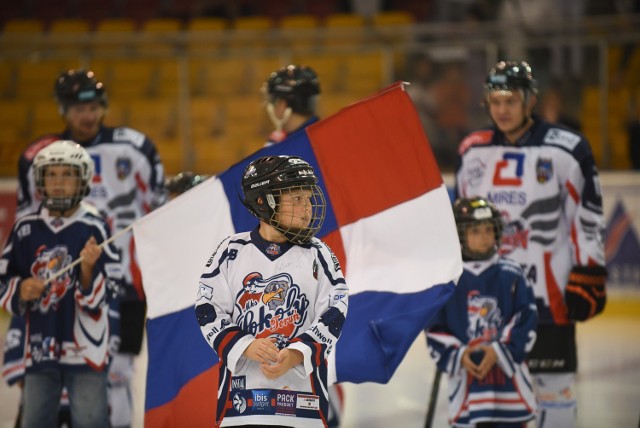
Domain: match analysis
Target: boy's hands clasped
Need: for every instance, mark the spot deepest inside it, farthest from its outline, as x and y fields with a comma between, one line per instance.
x=273, y=362
x=489, y=358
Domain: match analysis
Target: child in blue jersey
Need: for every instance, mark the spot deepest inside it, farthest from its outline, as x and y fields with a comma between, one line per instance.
x=65, y=310
x=481, y=337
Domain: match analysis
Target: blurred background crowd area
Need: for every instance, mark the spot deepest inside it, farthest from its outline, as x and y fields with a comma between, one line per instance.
x=189, y=72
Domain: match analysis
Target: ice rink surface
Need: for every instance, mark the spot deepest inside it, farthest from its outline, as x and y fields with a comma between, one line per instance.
x=608, y=385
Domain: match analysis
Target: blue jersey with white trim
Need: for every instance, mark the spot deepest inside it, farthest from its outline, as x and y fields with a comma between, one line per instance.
x=128, y=182
x=547, y=189
x=67, y=327
x=252, y=288
x=492, y=304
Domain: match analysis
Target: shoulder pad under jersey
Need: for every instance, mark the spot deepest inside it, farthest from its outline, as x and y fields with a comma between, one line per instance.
x=38, y=145
x=482, y=137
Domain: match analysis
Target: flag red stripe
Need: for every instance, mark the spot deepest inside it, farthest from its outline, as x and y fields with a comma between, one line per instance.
x=360, y=182
x=187, y=409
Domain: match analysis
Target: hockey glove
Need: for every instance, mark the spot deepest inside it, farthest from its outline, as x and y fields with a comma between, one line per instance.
x=586, y=294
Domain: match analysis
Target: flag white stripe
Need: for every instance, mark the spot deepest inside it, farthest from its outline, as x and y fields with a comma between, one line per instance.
x=387, y=250
x=190, y=229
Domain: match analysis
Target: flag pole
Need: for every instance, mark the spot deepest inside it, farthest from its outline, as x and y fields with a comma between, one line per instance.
x=433, y=399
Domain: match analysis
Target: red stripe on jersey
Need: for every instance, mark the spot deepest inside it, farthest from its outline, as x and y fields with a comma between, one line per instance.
x=574, y=239
x=225, y=342
x=140, y=182
x=136, y=275
x=572, y=191
x=556, y=300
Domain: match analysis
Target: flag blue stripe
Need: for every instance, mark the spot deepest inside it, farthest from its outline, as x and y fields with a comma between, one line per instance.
x=381, y=327
x=177, y=354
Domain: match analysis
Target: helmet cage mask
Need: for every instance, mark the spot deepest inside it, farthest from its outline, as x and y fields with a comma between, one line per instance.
x=474, y=212
x=280, y=199
x=270, y=183
x=63, y=153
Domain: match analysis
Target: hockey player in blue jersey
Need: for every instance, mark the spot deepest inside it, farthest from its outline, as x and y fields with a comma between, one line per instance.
x=65, y=311
x=128, y=183
x=481, y=337
x=272, y=302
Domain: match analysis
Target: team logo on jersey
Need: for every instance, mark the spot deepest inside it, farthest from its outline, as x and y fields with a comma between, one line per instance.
x=474, y=171
x=484, y=317
x=272, y=307
x=509, y=170
x=123, y=168
x=273, y=249
x=49, y=263
x=544, y=170
x=239, y=403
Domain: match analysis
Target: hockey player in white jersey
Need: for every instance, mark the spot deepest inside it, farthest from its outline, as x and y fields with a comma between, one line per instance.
x=64, y=310
x=291, y=99
x=543, y=179
x=127, y=184
x=481, y=337
x=272, y=302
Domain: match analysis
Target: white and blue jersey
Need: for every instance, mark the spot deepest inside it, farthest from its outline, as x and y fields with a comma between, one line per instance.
x=492, y=304
x=546, y=188
x=297, y=294
x=67, y=327
x=128, y=182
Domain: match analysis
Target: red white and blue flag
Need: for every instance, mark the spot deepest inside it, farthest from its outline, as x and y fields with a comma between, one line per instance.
x=389, y=222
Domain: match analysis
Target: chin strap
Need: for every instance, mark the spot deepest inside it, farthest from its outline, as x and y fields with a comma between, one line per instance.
x=278, y=134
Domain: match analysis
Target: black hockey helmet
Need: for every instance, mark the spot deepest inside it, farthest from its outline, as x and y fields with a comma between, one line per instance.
x=266, y=180
x=79, y=86
x=510, y=76
x=472, y=212
x=298, y=85
x=183, y=181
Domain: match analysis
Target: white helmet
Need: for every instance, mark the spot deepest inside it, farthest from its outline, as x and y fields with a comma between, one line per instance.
x=63, y=152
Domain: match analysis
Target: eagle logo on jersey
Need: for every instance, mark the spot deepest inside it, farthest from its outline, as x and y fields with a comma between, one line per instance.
x=272, y=306
x=484, y=317
x=47, y=264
